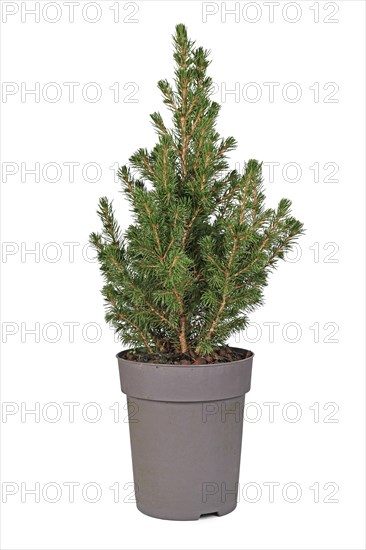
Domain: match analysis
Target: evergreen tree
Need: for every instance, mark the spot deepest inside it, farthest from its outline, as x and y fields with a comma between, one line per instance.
x=193, y=265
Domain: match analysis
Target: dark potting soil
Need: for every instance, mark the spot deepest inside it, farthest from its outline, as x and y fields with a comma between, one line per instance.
x=224, y=354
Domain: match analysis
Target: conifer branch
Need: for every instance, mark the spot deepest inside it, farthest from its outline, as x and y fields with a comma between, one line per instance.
x=194, y=263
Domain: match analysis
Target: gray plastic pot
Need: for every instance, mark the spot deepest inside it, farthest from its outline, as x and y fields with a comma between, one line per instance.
x=186, y=429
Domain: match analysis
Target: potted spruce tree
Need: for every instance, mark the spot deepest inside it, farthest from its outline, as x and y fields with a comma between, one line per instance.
x=178, y=283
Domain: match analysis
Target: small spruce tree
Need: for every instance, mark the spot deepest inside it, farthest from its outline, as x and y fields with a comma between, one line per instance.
x=186, y=274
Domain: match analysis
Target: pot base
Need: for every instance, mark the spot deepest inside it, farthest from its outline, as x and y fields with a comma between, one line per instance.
x=185, y=516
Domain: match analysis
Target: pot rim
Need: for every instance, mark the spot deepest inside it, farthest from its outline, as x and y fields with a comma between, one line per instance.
x=189, y=383
x=203, y=365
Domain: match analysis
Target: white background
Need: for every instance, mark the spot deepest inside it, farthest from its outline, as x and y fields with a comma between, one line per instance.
x=320, y=369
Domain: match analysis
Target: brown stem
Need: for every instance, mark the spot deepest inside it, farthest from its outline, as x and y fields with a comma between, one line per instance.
x=182, y=334
x=196, y=212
